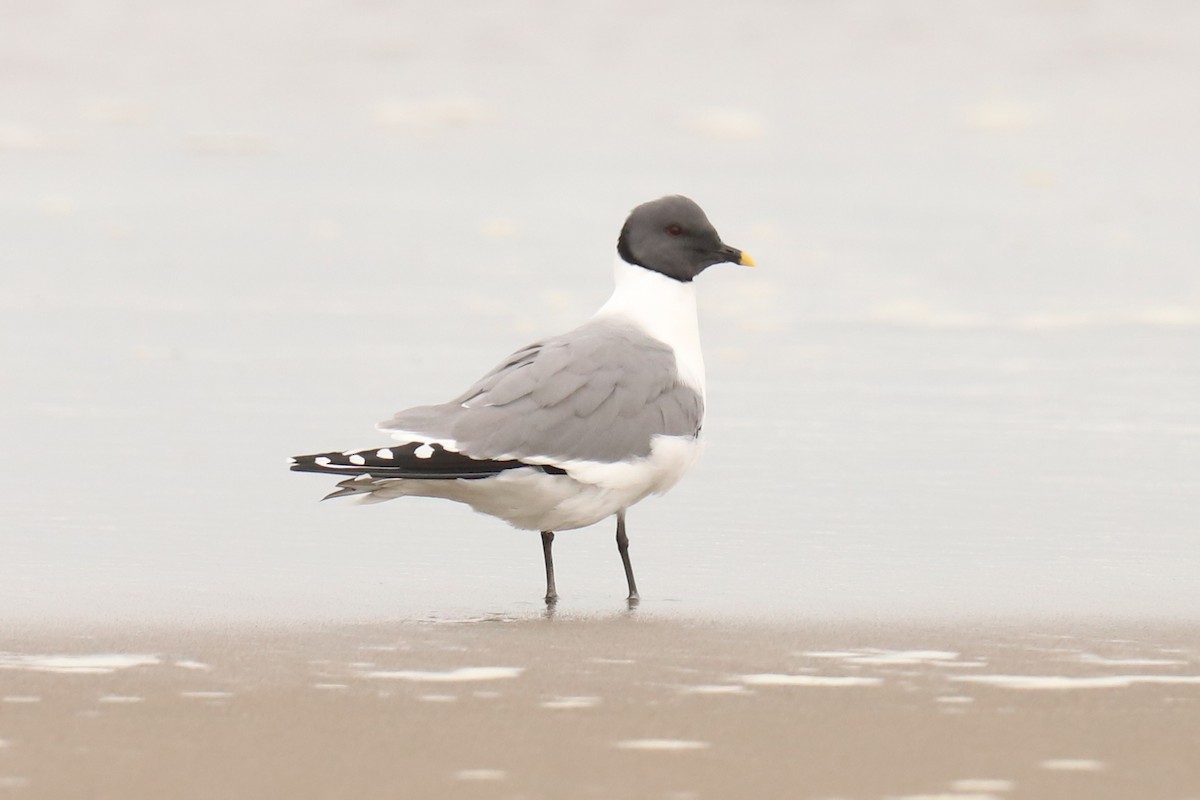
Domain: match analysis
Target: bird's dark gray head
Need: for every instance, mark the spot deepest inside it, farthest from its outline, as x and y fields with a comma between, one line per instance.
x=672, y=236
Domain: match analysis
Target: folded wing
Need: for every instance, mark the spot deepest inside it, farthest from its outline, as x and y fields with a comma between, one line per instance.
x=601, y=392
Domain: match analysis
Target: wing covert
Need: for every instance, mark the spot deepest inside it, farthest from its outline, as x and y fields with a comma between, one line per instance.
x=598, y=393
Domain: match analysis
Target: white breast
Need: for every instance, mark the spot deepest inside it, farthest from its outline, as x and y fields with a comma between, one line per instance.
x=666, y=310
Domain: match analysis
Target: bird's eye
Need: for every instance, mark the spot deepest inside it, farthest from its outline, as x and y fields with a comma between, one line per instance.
x=674, y=230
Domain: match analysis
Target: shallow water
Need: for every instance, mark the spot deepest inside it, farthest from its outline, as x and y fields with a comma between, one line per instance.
x=964, y=380
x=902, y=473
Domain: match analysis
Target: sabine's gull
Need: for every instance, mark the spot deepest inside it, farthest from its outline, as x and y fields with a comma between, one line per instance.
x=576, y=427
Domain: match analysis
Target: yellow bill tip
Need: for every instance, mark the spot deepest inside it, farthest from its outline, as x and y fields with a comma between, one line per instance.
x=747, y=260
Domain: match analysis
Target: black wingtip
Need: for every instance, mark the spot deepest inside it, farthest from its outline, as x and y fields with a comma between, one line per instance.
x=328, y=463
x=414, y=460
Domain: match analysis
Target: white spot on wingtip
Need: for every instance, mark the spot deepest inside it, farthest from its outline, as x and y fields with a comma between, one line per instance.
x=424, y=451
x=412, y=437
x=357, y=459
x=322, y=461
x=384, y=453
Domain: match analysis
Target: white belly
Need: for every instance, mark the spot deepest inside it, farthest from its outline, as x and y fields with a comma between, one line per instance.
x=532, y=499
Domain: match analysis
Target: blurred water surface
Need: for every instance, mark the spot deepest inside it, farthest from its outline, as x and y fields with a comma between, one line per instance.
x=965, y=379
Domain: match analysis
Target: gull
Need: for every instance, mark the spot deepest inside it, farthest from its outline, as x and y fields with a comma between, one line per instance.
x=578, y=427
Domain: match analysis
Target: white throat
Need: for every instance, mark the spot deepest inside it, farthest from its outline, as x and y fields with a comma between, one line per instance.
x=666, y=310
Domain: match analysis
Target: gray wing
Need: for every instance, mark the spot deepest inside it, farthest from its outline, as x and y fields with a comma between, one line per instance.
x=598, y=393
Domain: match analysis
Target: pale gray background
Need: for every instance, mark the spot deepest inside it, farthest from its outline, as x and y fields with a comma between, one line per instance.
x=965, y=379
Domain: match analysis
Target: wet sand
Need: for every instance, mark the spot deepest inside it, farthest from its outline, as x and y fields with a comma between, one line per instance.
x=620, y=707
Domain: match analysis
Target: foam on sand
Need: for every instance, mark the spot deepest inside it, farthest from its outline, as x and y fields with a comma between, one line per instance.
x=99, y=664
x=946, y=796
x=675, y=745
x=461, y=675
x=569, y=703
x=1091, y=658
x=715, y=688
x=983, y=785
x=1073, y=764
x=774, y=679
x=1076, y=682
x=882, y=657
x=480, y=775
x=438, y=698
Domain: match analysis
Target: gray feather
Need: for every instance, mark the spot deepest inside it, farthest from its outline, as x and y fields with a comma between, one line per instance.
x=599, y=393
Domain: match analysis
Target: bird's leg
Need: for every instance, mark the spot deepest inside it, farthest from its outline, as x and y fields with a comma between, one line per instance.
x=623, y=549
x=547, y=543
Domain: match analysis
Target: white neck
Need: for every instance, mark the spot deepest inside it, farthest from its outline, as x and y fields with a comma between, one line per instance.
x=665, y=309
